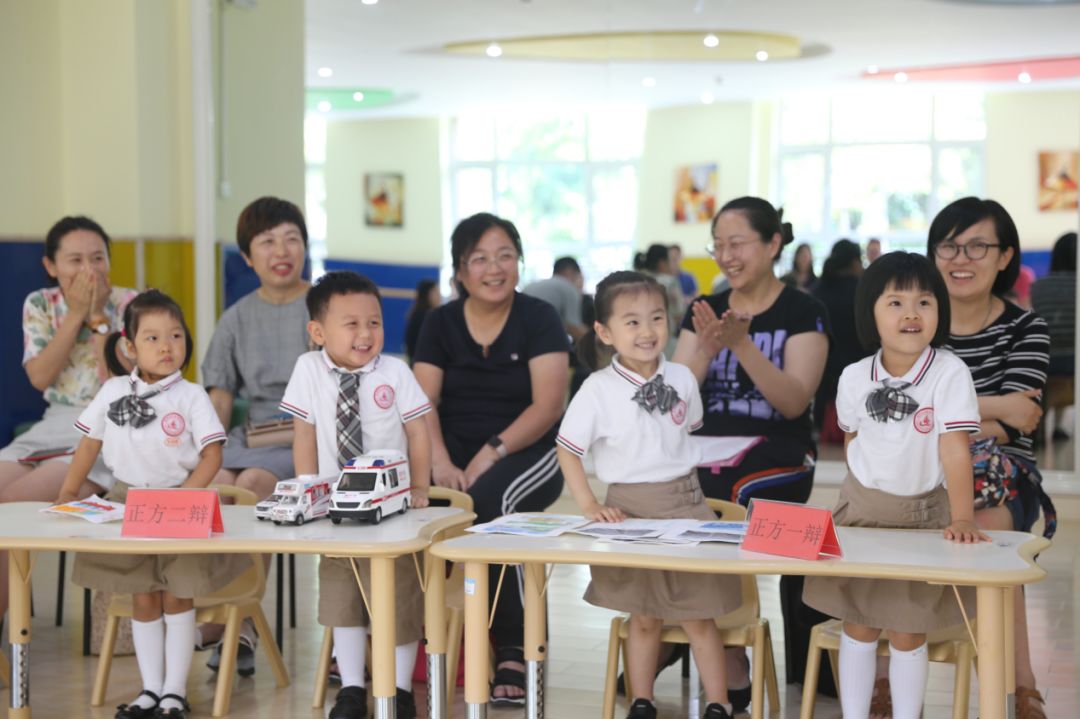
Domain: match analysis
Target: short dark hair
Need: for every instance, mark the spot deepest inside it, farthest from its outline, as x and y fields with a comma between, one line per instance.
x=622, y=282
x=654, y=255
x=264, y=214
x=338, y=282
x=144, y=303
x=902, y=271
x=468, y=233
x=66, y=225
x=1063, y=257
x=961, y=214
x=765, y=219
x=565, y=264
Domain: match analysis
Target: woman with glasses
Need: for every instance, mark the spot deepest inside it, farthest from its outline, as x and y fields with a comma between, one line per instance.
x=495, y=364
x=758, y=351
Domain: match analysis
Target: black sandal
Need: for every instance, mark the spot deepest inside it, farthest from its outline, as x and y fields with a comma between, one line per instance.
x=180, y=712
x=507, y=677
x=134, y=711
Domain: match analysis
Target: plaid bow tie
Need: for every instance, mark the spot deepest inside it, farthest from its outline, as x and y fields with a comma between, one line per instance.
x=133, y=408
x=889, y=402
x=654, y=394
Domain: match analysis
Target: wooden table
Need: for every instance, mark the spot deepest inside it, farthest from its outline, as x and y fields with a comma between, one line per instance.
x=24, y=530
x=994, y=568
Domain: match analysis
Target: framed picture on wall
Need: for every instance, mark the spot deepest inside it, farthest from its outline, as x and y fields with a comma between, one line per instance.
x=384, y=199
x=1059, y=173
x=695, y=193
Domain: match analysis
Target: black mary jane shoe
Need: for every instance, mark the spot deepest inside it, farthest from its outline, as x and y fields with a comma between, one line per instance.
x=179, y=712
x=134, y=711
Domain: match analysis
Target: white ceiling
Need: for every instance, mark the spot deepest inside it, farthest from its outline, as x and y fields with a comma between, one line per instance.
x=396, y=44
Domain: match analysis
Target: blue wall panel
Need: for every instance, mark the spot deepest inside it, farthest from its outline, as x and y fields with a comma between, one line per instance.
x=20, y=274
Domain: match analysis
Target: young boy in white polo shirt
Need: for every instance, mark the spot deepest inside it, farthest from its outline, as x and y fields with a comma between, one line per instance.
x=348, y=398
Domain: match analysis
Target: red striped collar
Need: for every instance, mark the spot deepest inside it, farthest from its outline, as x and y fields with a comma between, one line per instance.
x=331, y=367
x=915, y=375
x=161, y=385
x=633, y=377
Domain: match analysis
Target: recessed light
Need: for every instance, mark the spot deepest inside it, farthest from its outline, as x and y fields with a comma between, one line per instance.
x=493, y=50
x=707, y=98
x=1024, y=77
x=648, y=82
x=872, y=70
x=326, y=72
x=358, y=96
x=711, y=40
x=369, y=2
x=900, y=77
x=761, y=55
x=324, y=106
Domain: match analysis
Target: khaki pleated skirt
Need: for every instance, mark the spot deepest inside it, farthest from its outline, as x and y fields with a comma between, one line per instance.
x=914, y=607
x=672, y=596
x=342, y=605
x=185, y=576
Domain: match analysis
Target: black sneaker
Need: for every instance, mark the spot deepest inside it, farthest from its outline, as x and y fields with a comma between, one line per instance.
x=406, y=704
x=351, y=703
x=642, y=709
x=245, y=657
x=716, y=711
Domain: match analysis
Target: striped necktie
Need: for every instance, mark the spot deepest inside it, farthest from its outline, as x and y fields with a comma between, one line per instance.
x=350, y=438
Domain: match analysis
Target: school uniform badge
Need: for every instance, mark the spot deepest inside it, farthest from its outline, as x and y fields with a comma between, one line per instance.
x=678, y=412
x=924, y=420
x=173, y=424
x=384, y=396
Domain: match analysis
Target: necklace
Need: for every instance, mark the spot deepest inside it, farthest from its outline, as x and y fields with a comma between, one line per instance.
x=986, y=320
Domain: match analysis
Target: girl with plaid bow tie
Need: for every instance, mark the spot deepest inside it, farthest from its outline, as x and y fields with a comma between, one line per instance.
x=153, y=429
x=634, y=417
x=907, y=412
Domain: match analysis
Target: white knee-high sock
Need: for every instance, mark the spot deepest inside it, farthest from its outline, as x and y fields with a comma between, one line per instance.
x=350, y=647
x=179, y=649
x=907, y=681
x=404, y=662
x=857, y=667
x=149, y=640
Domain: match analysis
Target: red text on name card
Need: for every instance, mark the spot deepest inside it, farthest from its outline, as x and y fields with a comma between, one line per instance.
x=790, y=530
x=172, y=513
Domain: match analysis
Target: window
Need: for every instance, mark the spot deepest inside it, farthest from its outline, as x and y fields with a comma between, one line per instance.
x=876, y=164
x=569, y=183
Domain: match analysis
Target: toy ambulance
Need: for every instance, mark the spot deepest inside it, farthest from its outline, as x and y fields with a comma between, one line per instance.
x=301, y=499
x=372, y=486
x=263, y=508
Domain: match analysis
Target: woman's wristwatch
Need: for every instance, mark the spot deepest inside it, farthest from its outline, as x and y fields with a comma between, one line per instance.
x=497, y=444
x=99, y=324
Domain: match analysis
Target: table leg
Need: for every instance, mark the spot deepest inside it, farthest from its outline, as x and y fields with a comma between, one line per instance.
x=991, y=631
x=19, y=632
x=383, y=622
x=535, y=640
x=435, y=645
x=1009, y=612
x=477, y=645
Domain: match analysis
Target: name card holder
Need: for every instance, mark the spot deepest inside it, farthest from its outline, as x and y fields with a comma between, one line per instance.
x=790, y=530
x=172, y=514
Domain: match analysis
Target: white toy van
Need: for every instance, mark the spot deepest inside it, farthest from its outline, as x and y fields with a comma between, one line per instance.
x=263, y=508
x=301, y=499
x=372, y=486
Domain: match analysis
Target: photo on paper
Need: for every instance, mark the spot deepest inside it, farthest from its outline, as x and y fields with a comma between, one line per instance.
x=695, y=193
x=384, y=194
x=1059, y=176
x=531, y=525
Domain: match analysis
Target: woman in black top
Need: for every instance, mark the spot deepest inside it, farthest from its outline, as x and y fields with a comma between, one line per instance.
x=495, y=364
x=758, y=350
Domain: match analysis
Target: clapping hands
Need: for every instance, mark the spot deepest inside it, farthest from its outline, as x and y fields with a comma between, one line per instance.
x=718, y=333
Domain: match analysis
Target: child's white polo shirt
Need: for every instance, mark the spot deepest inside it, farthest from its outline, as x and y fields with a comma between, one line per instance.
x=629, y=444
x=163, y=452
x=389, y=397
x=901, y=457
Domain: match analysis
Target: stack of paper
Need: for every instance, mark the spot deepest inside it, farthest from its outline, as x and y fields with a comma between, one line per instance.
x=666, y=531
x=93, y=510
x=531, y=525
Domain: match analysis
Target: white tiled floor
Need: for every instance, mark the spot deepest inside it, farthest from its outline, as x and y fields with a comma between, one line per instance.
x=62, y=677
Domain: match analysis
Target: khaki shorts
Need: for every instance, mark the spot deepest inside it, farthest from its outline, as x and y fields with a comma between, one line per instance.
x=341, y=605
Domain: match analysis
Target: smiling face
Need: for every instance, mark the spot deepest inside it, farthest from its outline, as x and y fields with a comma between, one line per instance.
x=907, y=320
x=741, y=252
x=965, y=278
x=277, y=256
x=78, y=250
x=489, y=271
x=160, y=345
x=637, y=329
x=351, y=329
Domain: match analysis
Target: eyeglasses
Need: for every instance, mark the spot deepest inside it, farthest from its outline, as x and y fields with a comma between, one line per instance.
x=717, y=249
x=478, y=262
x=973, y=250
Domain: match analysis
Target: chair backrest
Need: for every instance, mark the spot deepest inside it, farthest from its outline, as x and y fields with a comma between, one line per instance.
x=252, y=582
x=458, y=500
x=732, y=512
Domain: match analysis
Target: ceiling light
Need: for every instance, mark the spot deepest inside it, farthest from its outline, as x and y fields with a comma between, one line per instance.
x=871, y=69
x=369, y=2
x=648, y=82
x=711, y=40
x=900, y=77
x=761, y=55
x=326, y=72
x=1024, y=77
x=358, y=96
x=707, y=98
x=493, y=50
x=324, y=106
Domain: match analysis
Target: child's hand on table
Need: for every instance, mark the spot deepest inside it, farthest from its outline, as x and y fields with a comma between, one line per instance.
x=420, y=498
x=601, y=513
x=65, y=497
x=965, y=532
